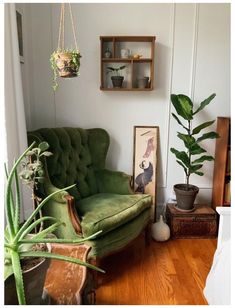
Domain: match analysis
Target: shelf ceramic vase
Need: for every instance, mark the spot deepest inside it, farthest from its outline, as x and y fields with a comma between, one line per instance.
x=160, y=230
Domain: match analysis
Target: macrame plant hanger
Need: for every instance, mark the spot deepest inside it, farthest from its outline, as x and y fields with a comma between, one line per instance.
x=65, y=62
x=61, y=37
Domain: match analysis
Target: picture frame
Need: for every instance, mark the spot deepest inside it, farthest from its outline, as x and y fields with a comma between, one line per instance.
x=20, y=35
x=145, y=162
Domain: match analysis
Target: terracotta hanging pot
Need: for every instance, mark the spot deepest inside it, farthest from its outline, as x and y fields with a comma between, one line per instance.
x=67, y=64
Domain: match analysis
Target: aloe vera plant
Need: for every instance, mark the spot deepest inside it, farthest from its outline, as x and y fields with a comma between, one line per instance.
x=185, y=109
x=18, y=244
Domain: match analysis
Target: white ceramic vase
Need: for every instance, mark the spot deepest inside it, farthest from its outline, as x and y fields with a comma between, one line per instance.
x=160, y=230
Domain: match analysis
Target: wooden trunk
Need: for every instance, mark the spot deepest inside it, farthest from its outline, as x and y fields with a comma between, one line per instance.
x=201, y=223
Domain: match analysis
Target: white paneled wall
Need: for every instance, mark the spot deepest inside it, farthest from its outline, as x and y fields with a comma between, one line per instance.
x=192, y=57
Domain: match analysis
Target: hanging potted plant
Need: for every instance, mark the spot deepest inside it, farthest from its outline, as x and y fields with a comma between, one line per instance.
x=186, y=193
x=26, y=254
x=65, y=62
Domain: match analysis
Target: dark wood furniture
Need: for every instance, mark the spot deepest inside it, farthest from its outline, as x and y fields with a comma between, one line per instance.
x=201, y=223
x=222, y=175
x=67, y=283
x=143, y=66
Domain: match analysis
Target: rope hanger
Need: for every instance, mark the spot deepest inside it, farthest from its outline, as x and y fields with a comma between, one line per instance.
x=61, y=28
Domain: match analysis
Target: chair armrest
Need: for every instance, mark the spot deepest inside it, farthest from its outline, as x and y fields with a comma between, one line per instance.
x=62, y=207
x=113, y=182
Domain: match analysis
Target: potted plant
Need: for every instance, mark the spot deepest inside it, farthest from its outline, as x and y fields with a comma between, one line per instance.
x=65, y=63
x=186, y=193
x=117, y=79
x=23, y=247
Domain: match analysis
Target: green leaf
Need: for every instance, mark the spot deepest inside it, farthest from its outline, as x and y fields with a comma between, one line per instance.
x=183, y=106
x=194, y=168
x=47, y=153
x=34, y=213
x=196, y=149
x=205, y=103
x=60, y=257
x=18, y=277
x=182, y=165
x=202, y=159
x=197, y=129
x=199, y=173
x=8, y=209
x=188, y=140
x=210, y=135
x=43, y=146
x=179, y=122
x=182, y=156
x=8, y=270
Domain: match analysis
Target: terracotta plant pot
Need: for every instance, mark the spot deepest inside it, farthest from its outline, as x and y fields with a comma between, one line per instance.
x=185, y=198
x=117, y=81
x=33, y=284
x=66, y=67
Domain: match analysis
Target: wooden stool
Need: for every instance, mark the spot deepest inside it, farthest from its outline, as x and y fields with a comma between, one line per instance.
x=201, y=223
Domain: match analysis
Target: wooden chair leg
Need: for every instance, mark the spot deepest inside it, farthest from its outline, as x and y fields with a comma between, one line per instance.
x=97, y=279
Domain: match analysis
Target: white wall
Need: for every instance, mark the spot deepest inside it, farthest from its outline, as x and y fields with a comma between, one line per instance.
x=192, y=57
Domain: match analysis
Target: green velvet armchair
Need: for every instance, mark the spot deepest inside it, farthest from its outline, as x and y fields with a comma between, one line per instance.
x=101, y=200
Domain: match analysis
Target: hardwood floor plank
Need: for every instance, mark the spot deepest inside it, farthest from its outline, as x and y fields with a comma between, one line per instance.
x=169, y=273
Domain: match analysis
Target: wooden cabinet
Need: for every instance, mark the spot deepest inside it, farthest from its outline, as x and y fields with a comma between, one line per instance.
x=222, y=175
x=119, y=51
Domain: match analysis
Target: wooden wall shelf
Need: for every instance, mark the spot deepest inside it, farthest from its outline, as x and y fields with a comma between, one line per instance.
x=135, y=68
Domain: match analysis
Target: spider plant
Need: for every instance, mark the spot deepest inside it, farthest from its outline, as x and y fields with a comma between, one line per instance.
x=18, y=242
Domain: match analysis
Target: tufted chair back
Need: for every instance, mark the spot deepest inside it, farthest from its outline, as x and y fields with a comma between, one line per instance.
x=77, y=154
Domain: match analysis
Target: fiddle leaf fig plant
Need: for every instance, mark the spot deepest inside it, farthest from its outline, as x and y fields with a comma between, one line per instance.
x=185, y=115
x=19, y=243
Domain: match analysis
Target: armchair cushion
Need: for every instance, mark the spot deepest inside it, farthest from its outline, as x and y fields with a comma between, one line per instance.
x=107, y=211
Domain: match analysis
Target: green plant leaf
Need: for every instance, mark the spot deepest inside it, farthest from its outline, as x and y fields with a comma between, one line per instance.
x=18, y=277
x=183, y=106
x=197, y=129
x=34, y=213
x=205, y=103
x=196, y=149
x=43, y=146
x=17, y=203
x=59, y=257
x=8, y=209
x=47, y=153
x=210, y=135
x=8, y=270
x=187, y=139
x=202, y=159
x=35, y=223
x=194, y=168
x=199, y=173
x=182, y=165
x=60, y=240
x=179, y=122
x=182, y=156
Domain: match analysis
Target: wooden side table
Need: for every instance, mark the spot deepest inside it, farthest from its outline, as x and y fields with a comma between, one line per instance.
x=65, y=282
x=201, y=223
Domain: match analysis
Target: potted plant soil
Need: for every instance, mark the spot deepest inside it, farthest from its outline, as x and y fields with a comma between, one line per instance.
x=186, y=193
x=65, y=63
x=26, y=252
x=117, y=79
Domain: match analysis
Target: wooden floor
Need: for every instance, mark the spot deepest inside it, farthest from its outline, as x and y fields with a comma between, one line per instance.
x=170, y=273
